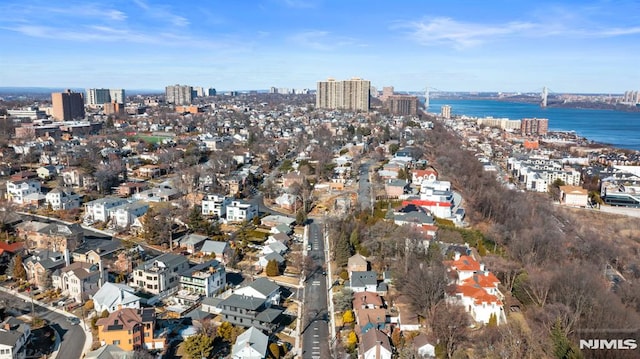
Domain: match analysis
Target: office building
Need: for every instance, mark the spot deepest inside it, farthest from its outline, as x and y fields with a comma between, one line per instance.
x=402, y=105
x=211, y=91
x=351, y=94
x=97, y=97
x=445, y=111
x=179, y=94
x=67, y=105
x=534, y=126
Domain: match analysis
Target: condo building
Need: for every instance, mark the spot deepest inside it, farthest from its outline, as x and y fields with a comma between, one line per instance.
x=351, y=94
x=67, y=105
x=179, y=94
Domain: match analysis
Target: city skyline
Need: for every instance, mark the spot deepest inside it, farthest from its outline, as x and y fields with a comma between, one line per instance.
x=568, y=46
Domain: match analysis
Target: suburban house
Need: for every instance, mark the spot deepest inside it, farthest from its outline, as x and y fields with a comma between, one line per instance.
x=418, y=177
x=205, y=279
x=476, y=289
x=57, y=237
x=41, y=265
x=131, y=329
x=220, y=250
x=157, y=194
x=61, y=199
x=100, y=209
x=130, y=188
x=370, y=318
x=357, y=263
x=18, y=190
x=215, y=205
x=95, y=250
x=192, y=242
x=14, y=334
x=424, y=346
x=262, y=288
x=128, y=214
x=77, y=177
x=110, y=351
x=114, y=296
x=251, y=344
x=240, y=211
x=367, y=300
x=247, y=311
x=288, y=201
x=47, y=172
x=274, y=220
x=160, y=274
x=290, y=178
x=366, y=281
x=396, y=188
x=78, y=280
x=374, y=344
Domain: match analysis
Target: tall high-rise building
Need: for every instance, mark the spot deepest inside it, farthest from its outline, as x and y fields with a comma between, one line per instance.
x=534, y=126
x=67, y=105
x=402, y=105
x=211, y=91
x=351, y=94
x=179, y=95
x=445, y=111
x=95, y=97
x=386, y=92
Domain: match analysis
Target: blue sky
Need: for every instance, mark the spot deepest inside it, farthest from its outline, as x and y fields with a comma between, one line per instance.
x=504, y=45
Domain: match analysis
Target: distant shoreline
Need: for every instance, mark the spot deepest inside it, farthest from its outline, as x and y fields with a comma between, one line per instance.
x=552, y=103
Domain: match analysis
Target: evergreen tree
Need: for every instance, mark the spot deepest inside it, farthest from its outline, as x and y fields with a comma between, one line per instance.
x=562, y=347
x=342, y=251
x=18, y=269
x=272, y=269
x=198, y=346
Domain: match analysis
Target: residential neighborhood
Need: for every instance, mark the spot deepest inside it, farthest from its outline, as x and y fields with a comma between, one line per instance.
x=210, y=233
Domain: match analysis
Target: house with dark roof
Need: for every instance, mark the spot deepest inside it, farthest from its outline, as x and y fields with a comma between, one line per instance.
x=192, y=241
x=262, y=288
x=14, y=334
x=54, y=236
x=363, y=281
x=41, y=265
x=160, y=274
x=247, y=311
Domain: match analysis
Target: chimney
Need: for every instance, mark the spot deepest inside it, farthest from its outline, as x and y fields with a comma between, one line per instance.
x=456, y=256
x=481, y=267
x=7, y=326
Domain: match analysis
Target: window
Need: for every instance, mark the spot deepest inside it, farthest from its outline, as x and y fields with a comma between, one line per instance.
x=129, y=341
x=146, y=334
x=116, y=342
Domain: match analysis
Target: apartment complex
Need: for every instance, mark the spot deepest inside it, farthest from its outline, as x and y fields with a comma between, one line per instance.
x=179, y=94
x=445, y=111
x=67, y=105
x=402, y=105
x=351, y=94
x=534, y=126
x=95, y=97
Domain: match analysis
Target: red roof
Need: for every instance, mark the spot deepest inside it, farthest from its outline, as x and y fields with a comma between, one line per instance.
x=478, y=294
x=11, y=247
x=424, y=203
x=465, y=263
x=483, y=279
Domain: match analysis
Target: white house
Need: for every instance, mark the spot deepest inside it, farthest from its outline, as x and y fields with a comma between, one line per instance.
x=113, y=296
x=574, y=196
x=375, y=345
x=100, y=209
x=215, y=205
x=14, y=334
x=206, y=279
x=78, y=280
x=160, y=274
x=252, y=344
x=128, y=214
x=61, y=199
x=18, y=190
x=240, y=211
x=262, y=288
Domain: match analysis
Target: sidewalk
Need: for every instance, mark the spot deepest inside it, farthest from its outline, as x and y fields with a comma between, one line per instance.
x=87, y=330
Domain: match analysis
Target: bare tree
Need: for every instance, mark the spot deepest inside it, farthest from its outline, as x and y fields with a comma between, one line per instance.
x=450, y=324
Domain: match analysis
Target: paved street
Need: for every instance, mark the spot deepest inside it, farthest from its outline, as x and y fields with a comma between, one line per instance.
x=315, y=326
x=72, y=336
x=364, y=187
